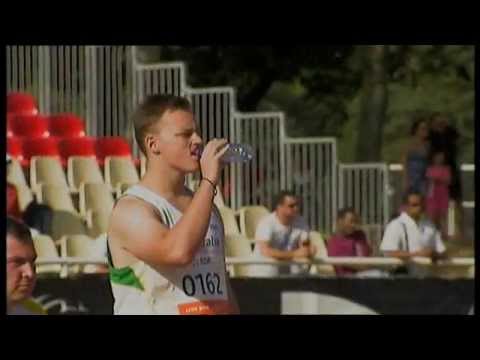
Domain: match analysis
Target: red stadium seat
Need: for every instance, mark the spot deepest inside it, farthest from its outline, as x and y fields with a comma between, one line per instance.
x=40, y=147
x=81, y=146
x=9, y=125
x=66, y=125
x=111, y=146
x=29, y=126
x=21, y=104
x=14, y=148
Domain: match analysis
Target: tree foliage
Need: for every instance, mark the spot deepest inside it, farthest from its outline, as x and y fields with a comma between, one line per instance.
x=323, y=89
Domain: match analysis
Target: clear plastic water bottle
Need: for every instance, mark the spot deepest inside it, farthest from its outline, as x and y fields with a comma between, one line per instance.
x=237, y=153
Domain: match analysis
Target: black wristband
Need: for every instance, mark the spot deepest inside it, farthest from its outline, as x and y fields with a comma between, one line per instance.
x=213, y=185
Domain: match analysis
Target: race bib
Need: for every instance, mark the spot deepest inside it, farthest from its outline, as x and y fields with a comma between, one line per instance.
x=204, y=284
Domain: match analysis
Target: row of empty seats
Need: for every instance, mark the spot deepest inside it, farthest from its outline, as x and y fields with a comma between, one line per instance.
x=21, y=104
x=32, y=134
x=55, y=163
x=47, y=177
x=83, y=192
x=42, y=126
x=64, y=148
x=77, y=246
x=49, y=171
x=25, y=120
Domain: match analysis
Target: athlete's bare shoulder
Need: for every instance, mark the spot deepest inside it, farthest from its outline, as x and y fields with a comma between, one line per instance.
x=129, y=215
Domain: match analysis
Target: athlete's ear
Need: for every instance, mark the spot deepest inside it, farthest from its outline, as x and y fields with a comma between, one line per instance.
x=151, y=144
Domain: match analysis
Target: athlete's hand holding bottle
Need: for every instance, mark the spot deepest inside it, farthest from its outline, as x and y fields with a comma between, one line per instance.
x=210, y=162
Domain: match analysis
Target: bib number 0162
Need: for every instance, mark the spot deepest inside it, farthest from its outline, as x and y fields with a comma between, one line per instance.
x=208, y=283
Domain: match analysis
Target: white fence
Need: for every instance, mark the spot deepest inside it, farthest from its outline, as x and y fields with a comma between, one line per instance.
x=463, y=267
x=310, y=171
x=105, y=83
x=213, y=109
x=27, y=71
x=91, y=81
x=365, y=188
x=258, y=181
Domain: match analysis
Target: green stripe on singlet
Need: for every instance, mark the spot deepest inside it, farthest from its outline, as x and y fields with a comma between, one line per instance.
x=167, y=217
x=171, y=217
x=109, y=256
x=125, y=276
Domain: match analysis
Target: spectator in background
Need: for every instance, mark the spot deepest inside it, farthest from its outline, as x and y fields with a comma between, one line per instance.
x=283, y=235
x=13, y=208
x=21, y=276
x=38, y=217
x=410, y=234
x=444, y=137
x=415, y=158
x=348, y=240
x=439, y=178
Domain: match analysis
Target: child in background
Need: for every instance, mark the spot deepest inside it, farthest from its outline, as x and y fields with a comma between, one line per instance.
x=439, y=178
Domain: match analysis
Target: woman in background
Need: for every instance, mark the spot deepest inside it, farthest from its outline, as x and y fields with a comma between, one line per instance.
x=439, y=177
x=415, y=158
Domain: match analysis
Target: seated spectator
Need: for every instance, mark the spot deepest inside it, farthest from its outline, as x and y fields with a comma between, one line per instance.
x=13, y=208
x=348, y=240
x=283, y=234
x=38, y=217
x=411, y=234
x=21, y=274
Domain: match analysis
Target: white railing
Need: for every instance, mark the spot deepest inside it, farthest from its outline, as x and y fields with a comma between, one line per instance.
x=364, y=187
x=213, y=109
x=354, y=262
x=258, y=181
x=91, y=81
x=65, y=263
x=27, y=70
x=71, y=261
x=311, y=172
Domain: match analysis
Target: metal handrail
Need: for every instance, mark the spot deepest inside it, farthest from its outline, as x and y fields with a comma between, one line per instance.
x=325, y=260
x=463, y=167
x=373, y=261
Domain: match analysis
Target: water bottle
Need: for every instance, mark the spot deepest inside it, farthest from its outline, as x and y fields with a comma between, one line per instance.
x=237, y=153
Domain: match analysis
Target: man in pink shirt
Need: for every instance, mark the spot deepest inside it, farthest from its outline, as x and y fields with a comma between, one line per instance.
x=348, y=241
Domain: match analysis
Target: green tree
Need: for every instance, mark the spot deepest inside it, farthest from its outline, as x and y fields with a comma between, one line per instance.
x=342, y=91
x=421, y=79
x=373, y=103
x=252, y=70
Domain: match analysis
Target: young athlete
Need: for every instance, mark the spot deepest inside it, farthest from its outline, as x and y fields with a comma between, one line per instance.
x=166, y=244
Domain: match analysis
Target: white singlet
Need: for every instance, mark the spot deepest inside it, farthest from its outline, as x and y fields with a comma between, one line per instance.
x=199, y=288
